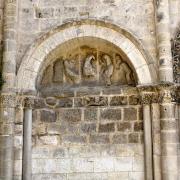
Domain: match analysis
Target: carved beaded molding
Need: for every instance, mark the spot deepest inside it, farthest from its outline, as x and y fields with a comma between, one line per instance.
x=176, y=57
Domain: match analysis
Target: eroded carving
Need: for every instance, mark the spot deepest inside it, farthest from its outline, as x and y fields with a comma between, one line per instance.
x=122, y=74
x=107, y=69
x=71, y=71
x=89, y=67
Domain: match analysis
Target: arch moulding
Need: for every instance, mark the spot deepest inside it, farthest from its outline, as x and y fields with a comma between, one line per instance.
x=35, y=56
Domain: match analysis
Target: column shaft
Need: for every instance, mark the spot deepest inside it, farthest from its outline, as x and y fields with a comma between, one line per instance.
x=147, y=142
x=156, y=138
x=164, y=41
x=27, y=144
x=169, y=142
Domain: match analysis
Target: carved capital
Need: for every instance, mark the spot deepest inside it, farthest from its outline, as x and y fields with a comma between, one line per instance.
x=146, y=98
x=168, y=93
x=8, y=100
x=28, y=102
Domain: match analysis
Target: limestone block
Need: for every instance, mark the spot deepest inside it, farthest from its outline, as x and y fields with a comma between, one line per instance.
x=88, y=128
x=123, y=164
x=49, y=140
x=87, y=176
x=106, y=128
x=103, y=164
x=63, y=165
x=118, y=175
x=18, y=141
x=48, y=116
x=43, y=166
x=120, y=139
x=110, y=114
x=130, y=114
x=138, y=163
x=167, y=111
x=54, y=129
x=124, y=126
x=136, y=176
x=40, y=152
x=133, y=138
x=17, y=167
x=82, y=165
x=138, y=126
x=99, y=139
x=90, y=114
x=74, y=139
x=70, y=115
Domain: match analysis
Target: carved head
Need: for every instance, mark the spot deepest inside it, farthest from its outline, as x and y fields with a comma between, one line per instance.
x=106, y=59
x=118, y=59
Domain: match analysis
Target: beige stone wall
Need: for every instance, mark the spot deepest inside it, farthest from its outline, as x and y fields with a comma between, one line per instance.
x=37, y=17
x=75, y=140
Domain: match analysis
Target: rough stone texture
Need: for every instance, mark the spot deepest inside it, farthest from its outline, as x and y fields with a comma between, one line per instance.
x=93, y=132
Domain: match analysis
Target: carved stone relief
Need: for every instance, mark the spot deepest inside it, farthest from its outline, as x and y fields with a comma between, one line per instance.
x=89, y=67
x=176, y=58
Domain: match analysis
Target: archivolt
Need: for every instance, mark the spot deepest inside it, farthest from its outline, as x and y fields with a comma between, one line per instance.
x=32, y=61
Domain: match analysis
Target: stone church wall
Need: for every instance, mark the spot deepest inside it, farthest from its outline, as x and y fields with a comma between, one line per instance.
x=37, y=17
x=75, y=140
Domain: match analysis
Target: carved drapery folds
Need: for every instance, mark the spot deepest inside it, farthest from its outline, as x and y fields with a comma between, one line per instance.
x=88, y=68
x=176, y=57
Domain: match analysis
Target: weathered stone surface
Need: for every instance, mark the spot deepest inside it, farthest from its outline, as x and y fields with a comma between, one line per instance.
x=65, y=102
x=90, y=114
x=124, y=126
x=51, y=101
x=99, y=139
x=167, y=111
x=134, y=100
x=49, y=140
x=138, y=126
x=118, y=101
x=39, y=103
x=106, y=128
x=74, y=139
x=120, y=139
x=48, y=116
x=130, y=114
x=133, y=138
x=110, y=114
x=88, y=128
x=70, y=115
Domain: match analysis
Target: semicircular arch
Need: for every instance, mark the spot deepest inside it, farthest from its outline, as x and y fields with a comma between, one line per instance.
x=33, y=59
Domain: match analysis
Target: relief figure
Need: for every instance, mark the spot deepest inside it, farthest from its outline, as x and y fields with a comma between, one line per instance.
x=71, y=71
x=107, y=68
x=89, y=66
x=122, y=73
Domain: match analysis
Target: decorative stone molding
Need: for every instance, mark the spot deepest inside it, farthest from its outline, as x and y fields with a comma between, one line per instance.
x=176, y=57
x=28, y=102
x=8, y=100
x=168, y=93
